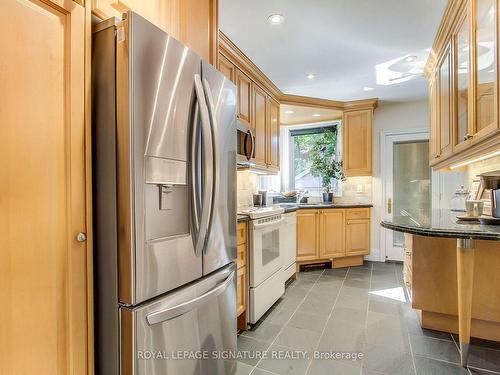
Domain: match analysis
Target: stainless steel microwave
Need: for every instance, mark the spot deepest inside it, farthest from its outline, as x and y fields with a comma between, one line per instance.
x=245, y=146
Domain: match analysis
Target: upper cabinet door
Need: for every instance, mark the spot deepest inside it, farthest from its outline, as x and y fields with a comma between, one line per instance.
x=445, y=102
x=434, y=146
x=485, y=67
x=462, y=126
x=273, y=136
x=358, y=143
x=260, y=120
x=227, y=68
x=244, y=88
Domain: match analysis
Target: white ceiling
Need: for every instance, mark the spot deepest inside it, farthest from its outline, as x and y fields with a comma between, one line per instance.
x=341, y=41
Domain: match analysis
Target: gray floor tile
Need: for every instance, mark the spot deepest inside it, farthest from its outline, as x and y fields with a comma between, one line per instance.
x=415, y=329
x=388, y=362
x=484, y=358
x=313, y=322
x=342, y=342
x=335, y=272
x=396, y=340
x=298, y=338
x=279, y=316
x=294, y=292
x=382, y=321
x=353, y=302
x=346, y=313
x=477, y=371
x=259, y=371
x=316, y=306
x=281, y=366
x=290, y=303
x=355, y=283
x=343, y=328
x=265, y=332
x=427, y=366
x=250, y=347
x=243, y=369
x=435, y=348
x=329, y=367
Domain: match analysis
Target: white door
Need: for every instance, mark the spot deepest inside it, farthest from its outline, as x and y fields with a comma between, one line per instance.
x=406, y=184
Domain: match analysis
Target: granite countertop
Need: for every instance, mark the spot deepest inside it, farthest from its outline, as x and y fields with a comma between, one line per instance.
x=325, y=205
x=442, y=223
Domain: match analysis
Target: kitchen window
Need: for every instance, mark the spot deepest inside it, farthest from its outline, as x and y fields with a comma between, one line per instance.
x=299, y=144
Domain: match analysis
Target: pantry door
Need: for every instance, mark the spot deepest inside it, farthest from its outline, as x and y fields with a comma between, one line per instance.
x=406, y=185
x=43, y=284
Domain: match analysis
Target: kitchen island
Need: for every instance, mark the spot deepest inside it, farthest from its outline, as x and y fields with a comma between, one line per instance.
x=454, y=268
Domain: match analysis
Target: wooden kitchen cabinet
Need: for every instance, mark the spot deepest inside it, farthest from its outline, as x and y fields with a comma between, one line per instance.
x=357, y=238
x=307, y=234
x=241, y=281
x=358, y=142
x=332, y=232
x=227, y=68
x=260, y=122
x=193, y=22
x=273, y=135
x=341, y=235
x=244, y=100
x=44, y=324
x=463, y=84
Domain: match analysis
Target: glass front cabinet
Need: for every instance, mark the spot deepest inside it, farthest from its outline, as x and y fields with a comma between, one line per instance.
x=463, y=83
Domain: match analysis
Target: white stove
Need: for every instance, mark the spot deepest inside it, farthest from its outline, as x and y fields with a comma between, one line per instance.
x=260, y=212
x=265, y=282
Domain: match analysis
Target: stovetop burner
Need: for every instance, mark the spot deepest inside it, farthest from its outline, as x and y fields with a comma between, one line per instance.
x=259, y=212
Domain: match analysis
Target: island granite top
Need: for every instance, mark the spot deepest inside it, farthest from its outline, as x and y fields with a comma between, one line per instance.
x=442, y=223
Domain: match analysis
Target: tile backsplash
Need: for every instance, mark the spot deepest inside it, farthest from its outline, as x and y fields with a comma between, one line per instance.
x=247, y=185
x=483, y=166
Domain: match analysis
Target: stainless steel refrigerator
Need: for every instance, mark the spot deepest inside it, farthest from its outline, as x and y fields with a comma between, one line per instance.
x=164, y=175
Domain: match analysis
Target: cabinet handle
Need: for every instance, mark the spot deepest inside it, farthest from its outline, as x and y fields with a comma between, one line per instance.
x=467, y=137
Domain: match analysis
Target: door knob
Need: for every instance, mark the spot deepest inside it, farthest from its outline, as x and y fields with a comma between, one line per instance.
x=81, y=237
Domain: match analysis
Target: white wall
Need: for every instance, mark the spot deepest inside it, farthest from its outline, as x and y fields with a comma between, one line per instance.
x=404, y=116
x=387, y=117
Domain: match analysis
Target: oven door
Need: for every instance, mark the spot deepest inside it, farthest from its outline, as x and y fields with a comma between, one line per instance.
x=265, y=252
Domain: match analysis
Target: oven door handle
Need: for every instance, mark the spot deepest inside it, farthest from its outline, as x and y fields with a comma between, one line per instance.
x=268, y=225
x=176, y=311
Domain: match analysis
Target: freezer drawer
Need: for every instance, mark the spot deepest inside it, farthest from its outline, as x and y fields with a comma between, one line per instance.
x=164, y=336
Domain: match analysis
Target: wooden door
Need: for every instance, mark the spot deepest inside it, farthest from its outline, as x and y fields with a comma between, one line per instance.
x=273, y=135
x=227, y=68
x=193, y=22
x=358, y=143
x=43, y=285
x=434, y=146
x=307, y=234
x=241, y=286
x=445, y=104
x=332, y=229
x=244, y=90
x=260, y=120
x=357, y=240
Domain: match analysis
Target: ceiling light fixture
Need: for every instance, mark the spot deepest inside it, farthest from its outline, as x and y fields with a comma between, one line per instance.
x=410, y=58
x=275, y=19
x=366, y=88
x=311, y=76
x=289, y=112
x=316, y=115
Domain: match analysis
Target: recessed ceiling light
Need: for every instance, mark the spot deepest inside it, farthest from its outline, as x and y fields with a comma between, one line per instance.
x=316, y=115
x=311, y=76
x=366, y=88
x=289, y=112
x=275, y=19
x=410, y=58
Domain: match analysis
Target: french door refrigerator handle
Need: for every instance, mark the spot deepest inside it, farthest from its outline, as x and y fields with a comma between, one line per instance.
x=194, y=174
x=176, y=311
x=208, y=164
x=213, y=126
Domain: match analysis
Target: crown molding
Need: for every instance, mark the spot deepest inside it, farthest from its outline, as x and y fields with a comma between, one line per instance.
x=234, y=54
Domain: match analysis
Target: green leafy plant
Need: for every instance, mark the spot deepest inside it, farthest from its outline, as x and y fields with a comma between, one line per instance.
x=323, y=163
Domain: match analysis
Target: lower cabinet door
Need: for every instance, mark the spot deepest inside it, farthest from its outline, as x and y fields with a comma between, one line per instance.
x=241, y=284
x=332, y=231
x=307, y=235
x=357, y=237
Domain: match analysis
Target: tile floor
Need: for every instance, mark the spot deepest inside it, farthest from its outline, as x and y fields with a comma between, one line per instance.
x=340, y=311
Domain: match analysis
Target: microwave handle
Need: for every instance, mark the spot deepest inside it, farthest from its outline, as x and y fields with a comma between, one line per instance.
x=174, y=312
x=252, y=138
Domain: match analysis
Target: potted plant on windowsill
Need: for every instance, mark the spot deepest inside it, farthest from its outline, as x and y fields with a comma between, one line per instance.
x=325, y=166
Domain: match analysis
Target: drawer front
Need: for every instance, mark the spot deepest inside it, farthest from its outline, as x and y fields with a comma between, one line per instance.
x=241, y=234
x=357, y=213
x=241, y=258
